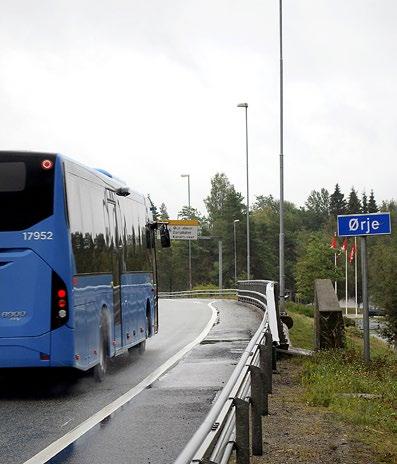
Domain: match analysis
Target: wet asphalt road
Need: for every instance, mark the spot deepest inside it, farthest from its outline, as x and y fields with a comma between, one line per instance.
x=37, y=408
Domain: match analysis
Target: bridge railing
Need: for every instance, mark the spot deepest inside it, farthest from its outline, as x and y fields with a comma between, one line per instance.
x=198, y=293
x=235, y=419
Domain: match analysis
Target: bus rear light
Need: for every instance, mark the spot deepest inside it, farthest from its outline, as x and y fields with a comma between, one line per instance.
x=61, y=293
x=44, y=357
x=47, y=164
x=60, y=313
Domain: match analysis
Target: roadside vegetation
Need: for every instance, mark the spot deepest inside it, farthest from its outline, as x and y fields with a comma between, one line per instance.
x=338, y=381
x=308, y=255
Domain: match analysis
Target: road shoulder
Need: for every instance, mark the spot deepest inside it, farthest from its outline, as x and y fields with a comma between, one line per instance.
x=298, y=433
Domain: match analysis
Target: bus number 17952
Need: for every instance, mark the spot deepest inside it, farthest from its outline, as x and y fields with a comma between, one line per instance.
x=44, y=235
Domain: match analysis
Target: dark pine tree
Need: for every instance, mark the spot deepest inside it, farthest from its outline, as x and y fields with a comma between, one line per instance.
x=364, y=203
x=163, y=213
x=353, y=204
x=372, y=206
x=337, y=204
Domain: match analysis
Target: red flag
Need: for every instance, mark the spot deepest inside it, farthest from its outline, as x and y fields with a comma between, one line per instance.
x=344, y=245
x=334, y=244
x=352, y=253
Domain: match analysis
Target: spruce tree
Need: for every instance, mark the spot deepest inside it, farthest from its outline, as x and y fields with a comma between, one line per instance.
x=337, y=204
x=372, y=206
x=354, y=204
x=163, y=213
x=364, y=203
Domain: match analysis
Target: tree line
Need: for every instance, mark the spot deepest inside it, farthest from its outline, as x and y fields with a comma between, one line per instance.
x=308, y=254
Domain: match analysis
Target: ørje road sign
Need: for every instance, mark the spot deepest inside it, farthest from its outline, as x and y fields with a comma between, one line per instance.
x=355, y=225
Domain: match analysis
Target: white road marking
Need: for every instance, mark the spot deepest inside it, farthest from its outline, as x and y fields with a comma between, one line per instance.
x=66, y=423
x=58, y=445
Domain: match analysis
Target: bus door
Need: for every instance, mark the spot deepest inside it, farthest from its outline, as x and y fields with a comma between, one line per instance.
x=116, y=267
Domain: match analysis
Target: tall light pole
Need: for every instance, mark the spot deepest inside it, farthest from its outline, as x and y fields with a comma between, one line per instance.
x=245, y=105
x=190, y=243
x=235, y=249
x=281, y=255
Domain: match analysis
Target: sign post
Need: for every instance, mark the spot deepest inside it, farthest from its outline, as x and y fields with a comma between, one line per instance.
x=363, y=225
x=364, y=274
x=184, y=229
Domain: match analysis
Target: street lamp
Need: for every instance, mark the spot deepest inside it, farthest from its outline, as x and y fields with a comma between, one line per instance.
x=245, y=105
x=190, y=243
x=282, y=235
x=235, y=249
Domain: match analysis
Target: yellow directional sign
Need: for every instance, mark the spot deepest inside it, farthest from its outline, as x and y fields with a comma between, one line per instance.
x=183, y=229
x=183, y=222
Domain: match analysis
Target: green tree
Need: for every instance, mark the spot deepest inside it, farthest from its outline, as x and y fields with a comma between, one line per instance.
x=163, y=215
x=383, y=272
x=372, y=206
x=317, y=209
x=364, y=203
x=265, y=220
x=224, y=205
x=316, y=261
x=337, y=203
x=353, y=204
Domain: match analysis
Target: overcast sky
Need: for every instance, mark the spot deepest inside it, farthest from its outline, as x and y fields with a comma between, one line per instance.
x=148, y=89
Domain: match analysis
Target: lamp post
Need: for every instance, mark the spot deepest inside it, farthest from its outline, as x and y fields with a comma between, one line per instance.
x=281, y=238
x=245, y=105
x=190, y=243
x=235, y=249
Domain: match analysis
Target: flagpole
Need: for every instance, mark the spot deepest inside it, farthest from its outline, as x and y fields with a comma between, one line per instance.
x=355, y=274
x=336, y=282
x=346, y=280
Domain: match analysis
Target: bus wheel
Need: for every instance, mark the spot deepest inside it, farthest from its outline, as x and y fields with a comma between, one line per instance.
x=142, y=347
x=101, y=368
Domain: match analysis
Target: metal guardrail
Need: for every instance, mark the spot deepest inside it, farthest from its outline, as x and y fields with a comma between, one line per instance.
x=195, y=293
x=230, y=424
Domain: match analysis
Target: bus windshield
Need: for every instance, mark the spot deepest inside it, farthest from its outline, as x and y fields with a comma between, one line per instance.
x=26, y=189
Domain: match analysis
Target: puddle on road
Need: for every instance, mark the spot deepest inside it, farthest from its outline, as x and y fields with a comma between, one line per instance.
x=229, y=340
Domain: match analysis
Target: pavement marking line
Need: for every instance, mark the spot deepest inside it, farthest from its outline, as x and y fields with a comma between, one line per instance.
x=58, y=445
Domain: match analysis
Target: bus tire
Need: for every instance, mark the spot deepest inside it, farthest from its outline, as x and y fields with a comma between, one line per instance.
x=142, y=347
x=103, y=357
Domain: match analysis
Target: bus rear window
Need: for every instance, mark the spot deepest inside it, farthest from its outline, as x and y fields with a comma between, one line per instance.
x=12, y=177
x=26, y=189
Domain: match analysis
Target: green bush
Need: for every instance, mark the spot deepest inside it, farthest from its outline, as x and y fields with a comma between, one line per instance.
x=205, y=287
x=335, y=378
x=306, y=310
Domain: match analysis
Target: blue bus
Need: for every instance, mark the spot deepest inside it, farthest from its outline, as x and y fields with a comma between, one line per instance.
x=77, y=265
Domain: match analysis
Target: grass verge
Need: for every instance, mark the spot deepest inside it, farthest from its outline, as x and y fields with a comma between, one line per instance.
x=356, y=393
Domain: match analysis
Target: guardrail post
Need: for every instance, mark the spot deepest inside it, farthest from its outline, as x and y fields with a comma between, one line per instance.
x=264, y=367
x=274, y=359
x=269, y=361
x=256, y=410
x=242, y=431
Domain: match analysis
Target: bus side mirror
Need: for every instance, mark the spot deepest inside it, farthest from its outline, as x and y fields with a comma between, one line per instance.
x=165, y=236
